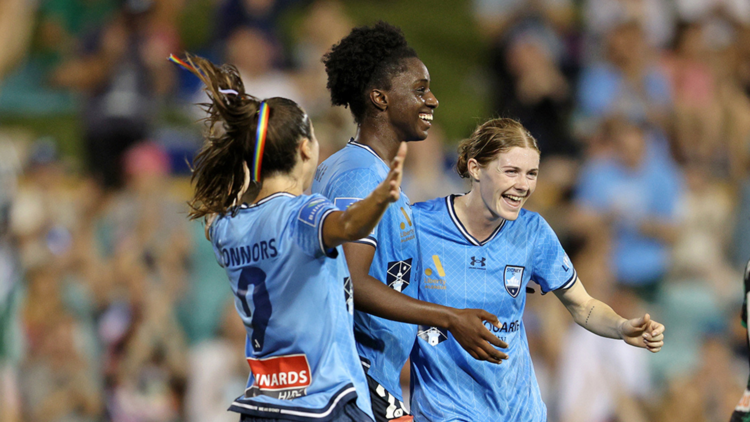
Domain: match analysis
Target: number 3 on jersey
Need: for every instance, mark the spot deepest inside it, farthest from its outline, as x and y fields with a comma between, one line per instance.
x=261, y=303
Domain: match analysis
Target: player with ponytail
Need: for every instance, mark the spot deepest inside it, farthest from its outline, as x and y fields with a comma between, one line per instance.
x=280, y=249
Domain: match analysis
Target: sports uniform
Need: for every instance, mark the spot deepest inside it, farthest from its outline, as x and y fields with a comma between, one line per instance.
x=383, y=345
x=291, y=297
x=461, y=271
x=742, y=411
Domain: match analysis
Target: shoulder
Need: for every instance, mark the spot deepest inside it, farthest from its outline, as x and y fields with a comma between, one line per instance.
x=426, y=207
x=529, y=220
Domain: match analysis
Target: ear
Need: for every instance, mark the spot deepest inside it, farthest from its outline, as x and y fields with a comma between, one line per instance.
x=379, y=99
x=475, y=170
x=305, y=149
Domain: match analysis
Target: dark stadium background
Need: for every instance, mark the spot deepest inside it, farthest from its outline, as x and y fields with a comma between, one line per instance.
x=112, y=306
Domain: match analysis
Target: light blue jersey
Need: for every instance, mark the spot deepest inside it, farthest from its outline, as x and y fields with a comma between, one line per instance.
x=462, y=272
x=348, y=176
x=290, y=293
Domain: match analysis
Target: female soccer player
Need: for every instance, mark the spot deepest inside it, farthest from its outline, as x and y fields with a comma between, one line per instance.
x=387, y=88
x=278, y=247
x=481, y=249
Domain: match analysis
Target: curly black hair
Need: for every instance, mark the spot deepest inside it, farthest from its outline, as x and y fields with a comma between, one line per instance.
x=369, y=57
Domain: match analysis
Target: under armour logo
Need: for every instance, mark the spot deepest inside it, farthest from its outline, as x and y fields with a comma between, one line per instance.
x=481, y=261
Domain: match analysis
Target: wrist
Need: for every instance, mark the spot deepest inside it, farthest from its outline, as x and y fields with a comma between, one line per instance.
x=621, y=328
x=449, y=318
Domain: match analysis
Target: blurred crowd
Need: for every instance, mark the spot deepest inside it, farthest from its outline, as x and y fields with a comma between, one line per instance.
x=112, y=305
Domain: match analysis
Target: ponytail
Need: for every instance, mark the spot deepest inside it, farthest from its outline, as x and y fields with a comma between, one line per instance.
x=246, y=139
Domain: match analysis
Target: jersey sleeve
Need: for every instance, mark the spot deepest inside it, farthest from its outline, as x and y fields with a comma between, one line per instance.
x=353, y=186
x=552, y=268
x=307, y=223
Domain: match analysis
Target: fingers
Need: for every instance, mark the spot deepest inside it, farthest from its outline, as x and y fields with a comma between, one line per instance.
x=656, y=328
x=396, y=173
x=496, y=341
x=490, y=354
x=398, y=161
x=653, y=338
x=486, y=316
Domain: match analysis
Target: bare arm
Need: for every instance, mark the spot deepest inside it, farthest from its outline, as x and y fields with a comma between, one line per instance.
x=599, y=318
x=374, y=297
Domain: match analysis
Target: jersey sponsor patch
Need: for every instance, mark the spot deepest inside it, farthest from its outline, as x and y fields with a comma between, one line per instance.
x=311, y=210
x=432, y=335
x=399, y=274
x=744, y=404
x=281, y=377
x=513, y=277
x=344, y=203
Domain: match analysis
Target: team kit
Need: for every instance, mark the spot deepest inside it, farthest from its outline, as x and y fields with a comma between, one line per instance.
x=340, y=280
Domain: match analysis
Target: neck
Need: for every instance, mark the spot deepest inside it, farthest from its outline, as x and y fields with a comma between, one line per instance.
x=380, y=137
x=275, y=184
x=478, y=220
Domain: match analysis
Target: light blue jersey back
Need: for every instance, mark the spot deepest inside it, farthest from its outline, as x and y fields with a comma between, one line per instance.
x=346, y=177
x=290, y=293
x=462, y=272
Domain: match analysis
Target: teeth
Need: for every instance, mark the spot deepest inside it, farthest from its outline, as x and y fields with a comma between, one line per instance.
x=425, y=116
x=514, y=198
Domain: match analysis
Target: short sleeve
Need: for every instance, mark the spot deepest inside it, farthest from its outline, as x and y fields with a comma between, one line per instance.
x=353, y=186
x=308, y=225
x=552, y=268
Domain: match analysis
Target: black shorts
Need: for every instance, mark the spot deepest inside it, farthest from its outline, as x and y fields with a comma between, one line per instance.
x=385, y=407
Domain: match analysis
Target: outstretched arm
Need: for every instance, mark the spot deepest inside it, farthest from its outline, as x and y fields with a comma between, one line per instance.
x=361, y=217
x=374, y=297
x=599, y=318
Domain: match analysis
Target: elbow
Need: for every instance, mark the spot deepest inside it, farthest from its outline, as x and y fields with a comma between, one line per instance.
x=353, y=231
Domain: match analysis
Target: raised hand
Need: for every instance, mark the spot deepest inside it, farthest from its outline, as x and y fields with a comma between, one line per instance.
x=467, y=327
x=643, y=332
x=390, y=188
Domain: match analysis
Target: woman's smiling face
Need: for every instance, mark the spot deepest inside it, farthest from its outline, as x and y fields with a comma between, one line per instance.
x=506, y=182
x=411, y=103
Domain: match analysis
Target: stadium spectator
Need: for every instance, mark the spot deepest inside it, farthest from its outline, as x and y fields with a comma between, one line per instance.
x=628, y=83
x=634, y=190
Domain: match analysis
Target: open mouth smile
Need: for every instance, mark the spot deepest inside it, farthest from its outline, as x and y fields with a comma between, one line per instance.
x=514, y=201
x=426, y=117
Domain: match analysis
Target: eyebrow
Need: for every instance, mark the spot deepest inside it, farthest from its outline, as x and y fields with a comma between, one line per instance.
x=518, y=168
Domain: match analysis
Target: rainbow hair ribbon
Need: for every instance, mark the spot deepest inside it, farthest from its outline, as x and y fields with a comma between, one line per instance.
x=260, y=141
x=174, y=59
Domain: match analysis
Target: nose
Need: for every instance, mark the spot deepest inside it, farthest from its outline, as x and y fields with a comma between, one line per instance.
x=431, y=100
x=522, y=183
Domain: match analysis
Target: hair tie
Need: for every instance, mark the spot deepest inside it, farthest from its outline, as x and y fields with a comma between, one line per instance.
x=260, y=140
x=229, y=91
x=174, y=59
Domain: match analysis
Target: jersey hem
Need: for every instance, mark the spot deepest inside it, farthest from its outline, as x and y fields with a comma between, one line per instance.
x=295, y=413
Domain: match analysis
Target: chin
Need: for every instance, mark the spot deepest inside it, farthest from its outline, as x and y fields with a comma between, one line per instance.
x=509, y=215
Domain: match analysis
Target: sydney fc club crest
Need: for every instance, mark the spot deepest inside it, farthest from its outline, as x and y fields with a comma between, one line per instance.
x=399, y=274
x=432, y=335
x=513, y=277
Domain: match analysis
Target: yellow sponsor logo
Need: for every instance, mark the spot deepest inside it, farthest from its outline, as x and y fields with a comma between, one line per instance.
x=438, y=266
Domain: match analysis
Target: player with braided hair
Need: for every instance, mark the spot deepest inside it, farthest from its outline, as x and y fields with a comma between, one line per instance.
x=375, y=73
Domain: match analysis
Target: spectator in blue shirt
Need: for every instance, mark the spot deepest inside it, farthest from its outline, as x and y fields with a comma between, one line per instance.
x=634, y=189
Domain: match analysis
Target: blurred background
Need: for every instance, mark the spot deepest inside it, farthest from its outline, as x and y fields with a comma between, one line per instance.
x=113, y=308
